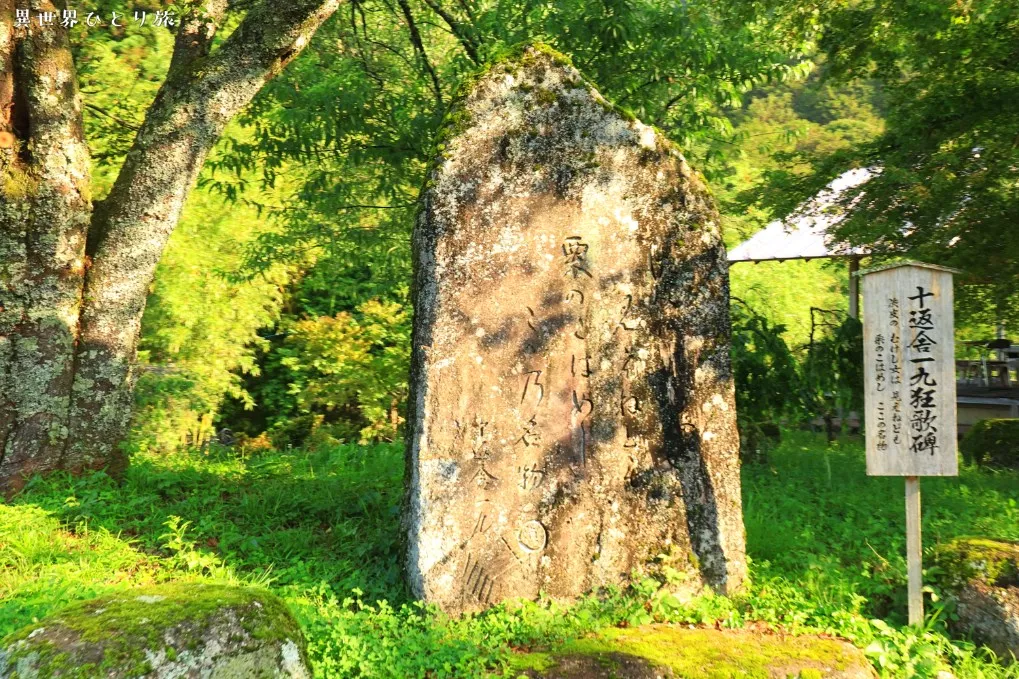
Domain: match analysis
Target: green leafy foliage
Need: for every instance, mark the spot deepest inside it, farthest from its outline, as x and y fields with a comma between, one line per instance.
x=775, y=383
x=946, y=192
x=992, y=443
x=119, y=72
x=833, y=364
x=199, y=332
x=766, y=374
x=200, y=328
x=351, y=125
x=359, y=228
x=350, y=362
x=321, y=529
x=341, y=142
x=778, y=129
x=784, y=292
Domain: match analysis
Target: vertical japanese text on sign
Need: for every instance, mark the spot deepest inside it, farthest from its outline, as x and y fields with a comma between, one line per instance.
x=909, y=371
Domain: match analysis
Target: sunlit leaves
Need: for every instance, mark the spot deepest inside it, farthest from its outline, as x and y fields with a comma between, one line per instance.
x=948, y=192
x=351, y=123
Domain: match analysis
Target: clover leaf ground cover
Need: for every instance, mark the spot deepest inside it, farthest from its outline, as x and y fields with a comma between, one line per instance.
x=322, y=530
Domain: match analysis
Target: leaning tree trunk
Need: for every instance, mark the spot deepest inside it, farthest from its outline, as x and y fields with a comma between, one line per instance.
x=73, y=282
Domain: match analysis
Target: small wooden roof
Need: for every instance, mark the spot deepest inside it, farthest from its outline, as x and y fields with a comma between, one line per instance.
x=907, y=262
x=804, y=234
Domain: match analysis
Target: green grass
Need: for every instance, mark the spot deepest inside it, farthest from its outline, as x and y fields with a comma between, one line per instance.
x=322, y=530
x=814, y=517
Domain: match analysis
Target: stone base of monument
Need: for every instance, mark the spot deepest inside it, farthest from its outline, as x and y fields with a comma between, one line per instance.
x=665, y=651
x=982, y=578
x=180, y=630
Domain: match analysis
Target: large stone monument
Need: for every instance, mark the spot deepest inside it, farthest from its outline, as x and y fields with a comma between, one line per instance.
x=571, y=410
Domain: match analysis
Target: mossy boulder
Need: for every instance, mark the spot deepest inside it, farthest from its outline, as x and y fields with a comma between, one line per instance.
x=981, y=577
x=964, y=560
x=170, y=631
x=992, y=443
x=668, y=651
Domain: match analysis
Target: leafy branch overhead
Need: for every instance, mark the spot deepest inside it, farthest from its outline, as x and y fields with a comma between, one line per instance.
x=949, y=156
x=366, y=100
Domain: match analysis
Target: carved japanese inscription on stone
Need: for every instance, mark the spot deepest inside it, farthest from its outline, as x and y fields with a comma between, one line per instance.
x=571, y=413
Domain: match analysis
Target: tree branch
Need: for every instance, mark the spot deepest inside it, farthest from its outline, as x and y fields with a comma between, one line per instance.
x=198, y=27
x=660, y=118
x=349, y=206
x=116, y=119
x=415, y=39
x=647, y=83
x=467, y=9
x=454, y=25
x=132, y=226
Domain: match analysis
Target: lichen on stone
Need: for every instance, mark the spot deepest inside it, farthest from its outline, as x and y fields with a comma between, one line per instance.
x=181, y=629
x=981, y=578
x=557, y=441
x=964, y=560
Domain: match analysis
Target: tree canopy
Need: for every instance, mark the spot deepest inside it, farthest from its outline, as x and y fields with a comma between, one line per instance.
x=948, y=187
x=770, y=100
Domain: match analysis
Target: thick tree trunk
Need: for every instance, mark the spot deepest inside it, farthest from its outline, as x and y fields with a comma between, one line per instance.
x=68, y=337
x=44, y=213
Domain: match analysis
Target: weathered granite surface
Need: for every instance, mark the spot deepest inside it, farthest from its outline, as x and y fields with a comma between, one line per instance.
x=571, y=414
x=981, y=576
x=174, y=631
x=991, y=615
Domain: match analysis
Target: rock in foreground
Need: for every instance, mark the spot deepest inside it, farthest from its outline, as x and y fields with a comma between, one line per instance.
x=171, y=631
x=666, y=652
x=982, y=577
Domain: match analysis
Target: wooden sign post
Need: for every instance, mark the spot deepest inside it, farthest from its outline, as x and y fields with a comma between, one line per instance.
x=909, y=388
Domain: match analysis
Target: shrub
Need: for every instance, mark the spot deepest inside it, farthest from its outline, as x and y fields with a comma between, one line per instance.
x=353, y=367
x=992, y=443
x=200, y=329
x=767, y=380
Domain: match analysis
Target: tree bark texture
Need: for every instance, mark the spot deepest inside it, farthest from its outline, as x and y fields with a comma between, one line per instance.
x=73, y=280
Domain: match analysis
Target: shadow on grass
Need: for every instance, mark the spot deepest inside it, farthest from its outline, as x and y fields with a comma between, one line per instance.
x=826, y=543
x=299, y=519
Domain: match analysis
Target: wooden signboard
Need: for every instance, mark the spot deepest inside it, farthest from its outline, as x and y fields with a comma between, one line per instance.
x=909, y=388
x=909, y=371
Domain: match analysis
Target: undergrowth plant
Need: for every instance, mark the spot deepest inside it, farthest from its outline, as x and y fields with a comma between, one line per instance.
x=826, y=546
